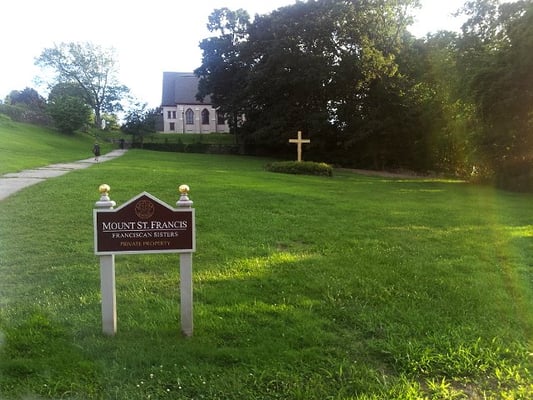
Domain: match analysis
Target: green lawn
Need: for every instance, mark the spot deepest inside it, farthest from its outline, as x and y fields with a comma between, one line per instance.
x=348, y=287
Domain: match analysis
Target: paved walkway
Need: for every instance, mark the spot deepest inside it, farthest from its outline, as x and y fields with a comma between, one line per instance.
x=13, y=182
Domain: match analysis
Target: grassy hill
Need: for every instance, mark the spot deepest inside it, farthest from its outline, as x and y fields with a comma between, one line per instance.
x=351, y=287
x=24, y=146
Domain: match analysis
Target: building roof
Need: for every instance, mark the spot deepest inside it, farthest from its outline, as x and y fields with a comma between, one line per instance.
x=181, y=88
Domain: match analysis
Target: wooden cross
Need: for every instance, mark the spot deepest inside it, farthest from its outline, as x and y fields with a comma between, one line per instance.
x=299, y=142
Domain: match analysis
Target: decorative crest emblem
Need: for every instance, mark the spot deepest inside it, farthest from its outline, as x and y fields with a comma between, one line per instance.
x=144, y=209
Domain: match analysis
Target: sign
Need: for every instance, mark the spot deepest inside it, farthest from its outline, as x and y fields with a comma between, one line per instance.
x=144, y=224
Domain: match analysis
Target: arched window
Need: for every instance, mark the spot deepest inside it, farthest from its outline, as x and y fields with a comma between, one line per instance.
x=205, y=116
x=189, y=117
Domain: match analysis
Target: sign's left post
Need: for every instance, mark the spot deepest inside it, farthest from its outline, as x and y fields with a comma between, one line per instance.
x=107, y=273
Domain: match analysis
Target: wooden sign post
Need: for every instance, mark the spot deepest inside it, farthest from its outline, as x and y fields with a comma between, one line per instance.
x=299, y=142
x=143, y=225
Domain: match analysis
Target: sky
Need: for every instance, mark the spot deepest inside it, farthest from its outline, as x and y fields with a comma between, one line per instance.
x=148, y=37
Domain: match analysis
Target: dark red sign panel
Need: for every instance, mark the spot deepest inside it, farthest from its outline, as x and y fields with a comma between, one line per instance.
x=144, y=225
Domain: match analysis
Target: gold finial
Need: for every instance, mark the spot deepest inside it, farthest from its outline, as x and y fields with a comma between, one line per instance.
x=105, y=201
x=104, y=188
x=184, y=189
x=184, y=200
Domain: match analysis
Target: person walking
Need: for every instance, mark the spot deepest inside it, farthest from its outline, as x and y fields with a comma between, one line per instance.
x=96, y=151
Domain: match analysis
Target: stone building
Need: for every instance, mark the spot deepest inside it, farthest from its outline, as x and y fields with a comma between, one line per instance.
x=182, y=112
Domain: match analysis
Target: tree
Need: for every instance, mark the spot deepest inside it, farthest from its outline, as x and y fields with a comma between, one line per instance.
x=111, y=122
x=446, y=117
x=311, y=67
x=371, y=105
x=66, y=89
x=67, y=107
x=290, y=58
x=140, y=122
x=28, y=97
x=92, y=68
x=498, y=67
x=27, y=106
x=69, y=113
x=222, y=73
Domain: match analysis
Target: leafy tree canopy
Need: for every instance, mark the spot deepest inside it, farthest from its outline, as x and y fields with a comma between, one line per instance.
x=28, y=97
x=69, y=113
x=140, y=121
x=309, y=66
x=496, y=60
x=92, y=68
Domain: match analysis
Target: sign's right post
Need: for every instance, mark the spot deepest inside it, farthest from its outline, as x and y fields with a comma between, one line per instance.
x=186, y=294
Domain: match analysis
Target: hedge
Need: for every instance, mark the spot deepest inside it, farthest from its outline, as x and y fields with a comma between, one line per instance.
x=300, y=168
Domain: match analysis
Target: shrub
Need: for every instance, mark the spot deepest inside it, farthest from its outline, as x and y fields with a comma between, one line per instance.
x=69, y=113
x=196, y=147
x=24, y=114
x=300, y=168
